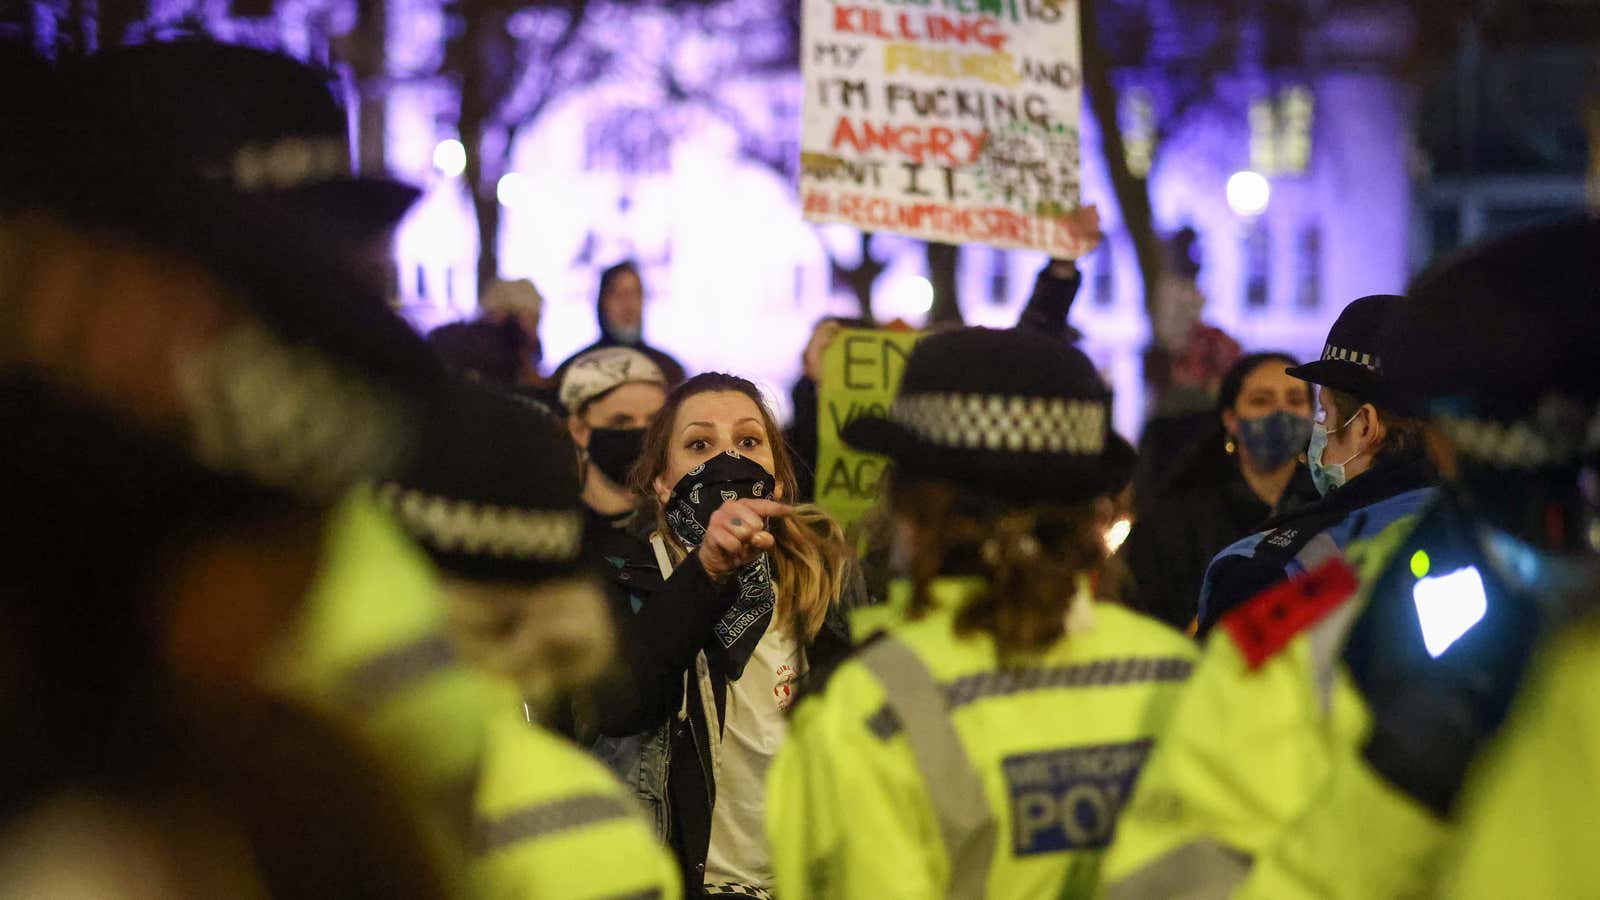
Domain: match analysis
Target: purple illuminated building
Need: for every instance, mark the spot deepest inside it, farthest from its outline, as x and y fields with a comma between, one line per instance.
x=674, y=138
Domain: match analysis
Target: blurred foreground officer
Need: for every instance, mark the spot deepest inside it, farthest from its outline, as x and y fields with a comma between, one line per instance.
x=983, y=748
x=440, y=667
x=192, y=369
x=1506, y=338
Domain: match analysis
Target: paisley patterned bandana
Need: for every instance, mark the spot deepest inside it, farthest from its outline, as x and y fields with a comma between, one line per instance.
x=728, y=476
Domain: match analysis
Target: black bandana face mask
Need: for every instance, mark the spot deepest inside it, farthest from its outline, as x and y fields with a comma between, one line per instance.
x=614, y=452
x=728, y=476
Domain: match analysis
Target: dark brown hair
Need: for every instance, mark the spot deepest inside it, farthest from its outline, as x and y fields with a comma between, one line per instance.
x=1030, y=556
x=1405, y=438
x=810, y=558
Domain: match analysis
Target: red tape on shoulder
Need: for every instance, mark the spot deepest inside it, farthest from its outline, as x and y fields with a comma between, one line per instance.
x=1270, y=620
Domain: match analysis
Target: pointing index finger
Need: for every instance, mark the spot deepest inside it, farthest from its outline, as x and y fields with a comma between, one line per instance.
x=768, y=508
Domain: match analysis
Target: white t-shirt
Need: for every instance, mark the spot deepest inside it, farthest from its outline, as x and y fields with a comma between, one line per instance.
x=753, y=728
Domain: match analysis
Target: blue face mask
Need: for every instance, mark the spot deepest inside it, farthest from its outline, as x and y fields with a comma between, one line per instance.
x=1274, y=439
x=1327, y=477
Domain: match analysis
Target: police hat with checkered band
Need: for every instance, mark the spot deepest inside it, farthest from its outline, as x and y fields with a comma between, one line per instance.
x=1008, y=413
x=493, y=493
x=235, y=158
x=1350, y=359
x=1504, y=342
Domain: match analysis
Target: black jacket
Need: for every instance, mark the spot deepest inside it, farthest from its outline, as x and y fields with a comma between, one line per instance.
x=802, y=436
x=662, y=626
x=1206, y=508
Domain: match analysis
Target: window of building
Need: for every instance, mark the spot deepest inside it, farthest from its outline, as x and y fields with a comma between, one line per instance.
x=1257, y=267
x=999, y=278
x=1103, y=286
x=1308, y=268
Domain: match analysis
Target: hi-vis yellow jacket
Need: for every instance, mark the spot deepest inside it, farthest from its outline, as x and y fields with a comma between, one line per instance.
x=1531, y=813
x=553, y=821
x=523, y=811
x=1526, y=826
x=923, y=770
x=1246, y=751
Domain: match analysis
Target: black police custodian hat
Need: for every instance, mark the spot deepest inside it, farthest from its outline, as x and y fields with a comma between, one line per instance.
x=1350, y=359
x=1504, y=341
x=245, y=121
x=493, y=494
x=1008, y=413
x=237, y=159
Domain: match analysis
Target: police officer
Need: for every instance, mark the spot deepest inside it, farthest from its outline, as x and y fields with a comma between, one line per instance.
x=444, y=665
x=984, y=746
x=1253, y=737
x=1505, y=339
x=1367, y=460
x=1315, y=666
x=193, y=368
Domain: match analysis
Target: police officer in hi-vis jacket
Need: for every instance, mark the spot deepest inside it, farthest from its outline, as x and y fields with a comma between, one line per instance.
x=984, y=745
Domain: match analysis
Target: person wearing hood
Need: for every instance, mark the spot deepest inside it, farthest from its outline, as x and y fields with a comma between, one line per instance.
x=1367, y=460
x=620, y=308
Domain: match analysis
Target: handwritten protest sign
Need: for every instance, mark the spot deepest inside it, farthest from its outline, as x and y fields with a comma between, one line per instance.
x=860, y=372
x=948, y=120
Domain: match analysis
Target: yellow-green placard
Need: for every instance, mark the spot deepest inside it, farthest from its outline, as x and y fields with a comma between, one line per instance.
x=860, y=372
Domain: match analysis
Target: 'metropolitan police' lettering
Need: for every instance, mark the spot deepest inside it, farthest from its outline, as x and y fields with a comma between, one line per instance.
x=1069, y=799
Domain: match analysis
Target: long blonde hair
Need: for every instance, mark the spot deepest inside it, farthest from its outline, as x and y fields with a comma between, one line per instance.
x=810, y=559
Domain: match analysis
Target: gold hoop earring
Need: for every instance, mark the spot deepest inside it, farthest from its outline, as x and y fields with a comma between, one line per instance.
x=1230, y=447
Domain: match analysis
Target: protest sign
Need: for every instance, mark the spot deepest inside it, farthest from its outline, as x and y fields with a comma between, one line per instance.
x=947, y=120
x=860, y=373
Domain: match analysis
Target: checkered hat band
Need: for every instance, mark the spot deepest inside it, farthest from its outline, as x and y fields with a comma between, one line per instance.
x=1518, y=444
x=459, y=526
x=286, y=416
x=999, y=422
x=1342, y=354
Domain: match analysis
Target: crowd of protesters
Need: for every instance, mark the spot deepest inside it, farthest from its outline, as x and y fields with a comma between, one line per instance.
x=299, y=603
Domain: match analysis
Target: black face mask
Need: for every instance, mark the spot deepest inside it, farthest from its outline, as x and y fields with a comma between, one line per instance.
x=726, y=476
x=614, y=452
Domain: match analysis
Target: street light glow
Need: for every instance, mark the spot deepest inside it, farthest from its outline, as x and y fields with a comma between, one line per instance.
x=919, y=294
x=511, y=190
x=450, y=157
x=1249, y=193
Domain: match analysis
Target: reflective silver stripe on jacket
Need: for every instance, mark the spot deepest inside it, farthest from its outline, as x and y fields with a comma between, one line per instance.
x=1199, y=870
x=543, y=819
x=381, y=678
x=965, y=820
x=1100, y=673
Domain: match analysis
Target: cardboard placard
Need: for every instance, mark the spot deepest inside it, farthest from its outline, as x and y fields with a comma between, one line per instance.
x=947, y=120
x=861, y=371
